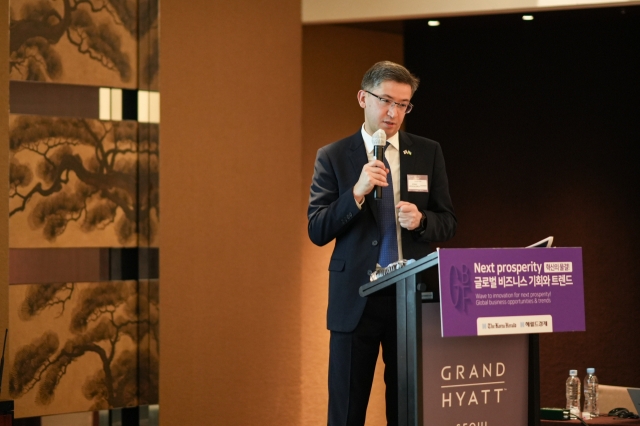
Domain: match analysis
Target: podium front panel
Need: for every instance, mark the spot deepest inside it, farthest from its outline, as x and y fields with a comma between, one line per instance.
x=477, y=381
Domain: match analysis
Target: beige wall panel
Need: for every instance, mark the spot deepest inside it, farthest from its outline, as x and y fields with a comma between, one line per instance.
x=4, y=171
x=334, y=61
x=230, y=206
x=332, y=11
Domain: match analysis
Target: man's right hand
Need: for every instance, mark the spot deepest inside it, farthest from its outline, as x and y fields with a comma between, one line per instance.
x=374, y=173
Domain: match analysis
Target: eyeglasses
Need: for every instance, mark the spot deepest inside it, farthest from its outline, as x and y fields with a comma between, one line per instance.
x=405, y=108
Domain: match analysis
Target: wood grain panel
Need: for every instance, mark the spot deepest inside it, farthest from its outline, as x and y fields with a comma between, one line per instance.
x=230, y=247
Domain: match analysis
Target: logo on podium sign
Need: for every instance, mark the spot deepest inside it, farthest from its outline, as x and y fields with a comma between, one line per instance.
x=460, y=287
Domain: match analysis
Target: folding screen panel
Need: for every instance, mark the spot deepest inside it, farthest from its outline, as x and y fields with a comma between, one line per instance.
x=84, y=210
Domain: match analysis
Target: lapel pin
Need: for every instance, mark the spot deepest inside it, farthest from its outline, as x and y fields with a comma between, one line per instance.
x=407, y=152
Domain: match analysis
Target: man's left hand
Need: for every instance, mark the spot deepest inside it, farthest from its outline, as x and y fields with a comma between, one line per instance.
x=408, y=215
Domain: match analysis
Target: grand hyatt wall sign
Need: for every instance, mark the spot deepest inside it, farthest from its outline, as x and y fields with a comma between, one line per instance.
x=511, y=291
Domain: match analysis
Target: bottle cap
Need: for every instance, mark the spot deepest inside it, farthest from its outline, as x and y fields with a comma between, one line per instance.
x=573, y=372
x=591, y=370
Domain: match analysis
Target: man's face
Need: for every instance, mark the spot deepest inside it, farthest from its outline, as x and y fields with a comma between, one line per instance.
x=380, y=115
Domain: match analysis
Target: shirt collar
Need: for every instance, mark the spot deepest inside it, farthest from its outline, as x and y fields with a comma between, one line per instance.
x=368, y=140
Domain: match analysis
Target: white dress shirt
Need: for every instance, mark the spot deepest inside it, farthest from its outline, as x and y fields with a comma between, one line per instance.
x=392, y=154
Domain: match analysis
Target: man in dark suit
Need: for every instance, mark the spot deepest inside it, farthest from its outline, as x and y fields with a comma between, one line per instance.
x=414, y=211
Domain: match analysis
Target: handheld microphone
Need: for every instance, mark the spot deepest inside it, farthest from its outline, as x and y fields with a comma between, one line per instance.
x=379, y=142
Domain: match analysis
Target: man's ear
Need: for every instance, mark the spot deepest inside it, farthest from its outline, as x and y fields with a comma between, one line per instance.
x=361, y=98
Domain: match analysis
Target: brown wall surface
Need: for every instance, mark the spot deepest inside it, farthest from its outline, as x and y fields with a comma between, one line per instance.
x=334, y=60
x=4, y=171
x=230, y=194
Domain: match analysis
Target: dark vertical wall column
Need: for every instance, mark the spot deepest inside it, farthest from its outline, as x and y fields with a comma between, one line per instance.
x=148, y=190
x=539, y=125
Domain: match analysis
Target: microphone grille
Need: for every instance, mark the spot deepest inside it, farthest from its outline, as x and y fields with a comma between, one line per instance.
x=379, y=138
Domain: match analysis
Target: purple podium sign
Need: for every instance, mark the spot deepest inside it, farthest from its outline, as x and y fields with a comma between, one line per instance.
x=511, y=291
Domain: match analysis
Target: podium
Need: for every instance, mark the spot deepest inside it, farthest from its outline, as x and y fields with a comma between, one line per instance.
x=464, y=393
x=409, y=331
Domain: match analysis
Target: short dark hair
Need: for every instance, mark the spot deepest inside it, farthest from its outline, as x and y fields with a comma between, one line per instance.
x=388, y=71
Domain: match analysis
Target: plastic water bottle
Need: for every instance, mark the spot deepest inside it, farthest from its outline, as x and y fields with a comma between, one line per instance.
x=591, y=394
x=573, y=393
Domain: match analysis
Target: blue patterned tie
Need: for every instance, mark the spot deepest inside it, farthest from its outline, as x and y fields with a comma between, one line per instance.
x=387, y=222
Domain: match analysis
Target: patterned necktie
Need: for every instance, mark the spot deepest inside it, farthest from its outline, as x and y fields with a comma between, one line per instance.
x=387, y=222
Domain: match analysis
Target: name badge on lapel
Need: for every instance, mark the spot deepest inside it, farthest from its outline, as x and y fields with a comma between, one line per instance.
x=418, y=183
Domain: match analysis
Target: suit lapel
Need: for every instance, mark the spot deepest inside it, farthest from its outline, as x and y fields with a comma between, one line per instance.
x=358, y=156
x=357, y=153
x=407, y=161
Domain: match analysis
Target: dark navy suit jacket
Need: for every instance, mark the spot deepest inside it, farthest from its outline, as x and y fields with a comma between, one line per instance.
x=333, y=214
